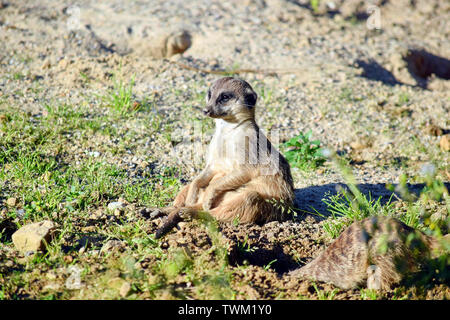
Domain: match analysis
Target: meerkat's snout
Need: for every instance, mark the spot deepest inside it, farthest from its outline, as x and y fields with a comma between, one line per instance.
x=207, y=111
x=212, y=111
x=219, y=105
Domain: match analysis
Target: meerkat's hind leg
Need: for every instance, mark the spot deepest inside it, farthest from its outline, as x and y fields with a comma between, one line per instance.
x=175, y=216
x=374, y=279
x=247, y=206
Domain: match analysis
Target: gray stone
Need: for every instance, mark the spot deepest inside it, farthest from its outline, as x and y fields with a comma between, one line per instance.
x=116, y=205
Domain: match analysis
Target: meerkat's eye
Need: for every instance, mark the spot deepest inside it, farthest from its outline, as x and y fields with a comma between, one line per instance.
x=209, y=94
x=224, y=97
x=250, y=100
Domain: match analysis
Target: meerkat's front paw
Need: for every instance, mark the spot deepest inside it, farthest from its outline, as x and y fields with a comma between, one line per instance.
x=192, y=195
x=208, y=203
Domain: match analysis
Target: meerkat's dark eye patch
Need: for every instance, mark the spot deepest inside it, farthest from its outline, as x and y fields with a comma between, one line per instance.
x=225, y=97
x=250, y=99
x=209, y=94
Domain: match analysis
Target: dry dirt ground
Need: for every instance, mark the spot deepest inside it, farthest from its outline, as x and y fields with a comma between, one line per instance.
x=325, y=69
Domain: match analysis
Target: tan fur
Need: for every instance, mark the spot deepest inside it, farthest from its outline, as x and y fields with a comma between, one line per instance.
x=377, y=251
x=245, y=177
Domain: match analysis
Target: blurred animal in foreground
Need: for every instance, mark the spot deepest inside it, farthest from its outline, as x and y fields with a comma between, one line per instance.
x=378, y=252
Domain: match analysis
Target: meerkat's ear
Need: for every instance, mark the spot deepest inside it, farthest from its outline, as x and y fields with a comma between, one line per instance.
x=250, y=98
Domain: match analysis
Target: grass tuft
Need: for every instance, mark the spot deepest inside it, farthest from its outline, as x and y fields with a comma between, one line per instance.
x=303, y=153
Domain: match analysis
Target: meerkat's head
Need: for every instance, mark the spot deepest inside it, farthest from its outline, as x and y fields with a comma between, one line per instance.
x=230, y=99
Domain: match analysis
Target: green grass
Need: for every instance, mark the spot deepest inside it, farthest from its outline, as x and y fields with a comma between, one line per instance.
x=314, y=5
x=324, y=294
x=302, y=152
x=121, y=98
x=345, y=209
x=351, y=205
x=403, y=98
x=36, y=163
x=369, y=294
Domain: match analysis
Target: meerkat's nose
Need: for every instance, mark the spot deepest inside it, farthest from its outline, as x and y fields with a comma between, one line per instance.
x=207, y=111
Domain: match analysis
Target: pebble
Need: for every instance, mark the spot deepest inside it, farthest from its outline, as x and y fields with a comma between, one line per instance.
x=111, y=245
x=73, y=282
x=11, y=202
x=444, y=143
x=9, y=264
x=116, y=205
x=51, y=287
x=68, y=259
x=32, y=237
x=94, y=154
x=115, y=283
x=20, y=213
x=125, y=289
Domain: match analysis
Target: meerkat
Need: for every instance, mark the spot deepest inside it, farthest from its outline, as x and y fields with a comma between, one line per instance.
x=245, y=177
x=377, y=252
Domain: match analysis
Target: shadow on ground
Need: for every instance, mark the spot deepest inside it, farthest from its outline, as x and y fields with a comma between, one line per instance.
x=423, y=64
x=372, y=70
x=310, y=199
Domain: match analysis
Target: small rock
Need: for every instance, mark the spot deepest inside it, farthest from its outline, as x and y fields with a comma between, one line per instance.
x=94, y=154
x=112, y=245
x=32, y=237
x=116, y=283
x=320, y=171
x=68, y=259
x=20, y=213
x=73, y=282
x=46, y=65
x=120, y=284
x=125, y=289
x=182, y=225
x=270, y=235
x=445, y=142
x=51, y=287
x=357, y=145
x=11, y=202
x=144, y=164
x=116, y=205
